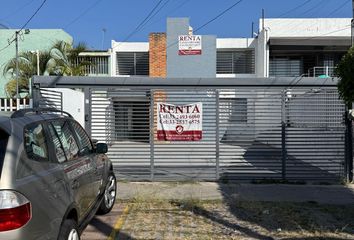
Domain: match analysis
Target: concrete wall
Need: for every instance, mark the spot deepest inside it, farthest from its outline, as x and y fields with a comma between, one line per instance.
x=200, y=66
x=238, y=44
x=37, y=39
x=125, y=47
x=262, y=54
x=73, y=103
x=307, y=27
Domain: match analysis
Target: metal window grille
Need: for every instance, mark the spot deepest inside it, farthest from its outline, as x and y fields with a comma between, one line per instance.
x=132, y=63
x=235, y=62
x=285, y=67
x=96, y=65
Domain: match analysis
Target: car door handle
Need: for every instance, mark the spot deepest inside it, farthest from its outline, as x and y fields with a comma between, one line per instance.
x=75, y=184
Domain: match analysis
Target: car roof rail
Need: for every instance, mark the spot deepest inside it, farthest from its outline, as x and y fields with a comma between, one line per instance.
x=23, y=112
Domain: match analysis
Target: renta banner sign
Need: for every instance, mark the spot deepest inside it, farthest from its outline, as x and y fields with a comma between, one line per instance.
x=179, y=122
x=190, y=45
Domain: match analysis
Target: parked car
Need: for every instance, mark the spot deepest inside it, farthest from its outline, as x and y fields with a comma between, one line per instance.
x=53, y=180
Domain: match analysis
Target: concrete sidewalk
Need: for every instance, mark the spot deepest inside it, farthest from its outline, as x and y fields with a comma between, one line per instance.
x=324, y=194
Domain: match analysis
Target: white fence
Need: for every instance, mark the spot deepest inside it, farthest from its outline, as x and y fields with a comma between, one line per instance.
x=9, y=105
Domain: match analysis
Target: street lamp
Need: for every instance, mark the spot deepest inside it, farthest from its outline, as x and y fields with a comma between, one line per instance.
x=37, y=53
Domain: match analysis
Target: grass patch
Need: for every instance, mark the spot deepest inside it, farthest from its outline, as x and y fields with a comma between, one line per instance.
x=153, y=218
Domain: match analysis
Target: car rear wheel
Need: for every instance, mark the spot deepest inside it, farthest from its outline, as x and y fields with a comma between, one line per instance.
x=109, y=196
x=69, y=231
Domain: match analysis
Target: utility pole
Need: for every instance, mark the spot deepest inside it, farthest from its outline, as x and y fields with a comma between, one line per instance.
x=37, y=52
x=352, y=25
x=263, y=15
x=17, y=70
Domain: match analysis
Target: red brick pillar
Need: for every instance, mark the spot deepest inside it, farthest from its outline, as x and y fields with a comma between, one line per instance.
x=157, y=55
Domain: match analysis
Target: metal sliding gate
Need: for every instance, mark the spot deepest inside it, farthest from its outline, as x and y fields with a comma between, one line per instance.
x=248, y=133
x=48, y=98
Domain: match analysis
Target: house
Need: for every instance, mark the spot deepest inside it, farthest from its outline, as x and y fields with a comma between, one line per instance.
x=270, y=108
x=283, y=47
x=28, y=40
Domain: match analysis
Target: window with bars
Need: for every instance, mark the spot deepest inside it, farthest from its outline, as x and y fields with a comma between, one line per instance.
x=96, y=65
x=235, y=62
x=132, y=63
x=285, y=67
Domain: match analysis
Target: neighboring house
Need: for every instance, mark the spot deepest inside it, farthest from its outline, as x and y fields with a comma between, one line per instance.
x=283, y=47
x=32, y=40
x=100, y=62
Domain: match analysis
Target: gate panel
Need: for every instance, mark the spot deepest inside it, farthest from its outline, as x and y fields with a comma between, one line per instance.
x=50, y=99
x=120, y=117
x=250, y=134
x=183, y=160
x=315, y=139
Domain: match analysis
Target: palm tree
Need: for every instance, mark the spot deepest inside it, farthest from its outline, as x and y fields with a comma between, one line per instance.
x=61, y=59
x=67, y=59
x=27, y=64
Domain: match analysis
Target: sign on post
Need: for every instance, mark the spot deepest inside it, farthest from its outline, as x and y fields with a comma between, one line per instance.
x=179, y=122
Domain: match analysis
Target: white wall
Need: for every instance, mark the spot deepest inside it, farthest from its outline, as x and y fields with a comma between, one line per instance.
x=262, y=54
x=307, y=27
x=73, y=103
x=125, y=47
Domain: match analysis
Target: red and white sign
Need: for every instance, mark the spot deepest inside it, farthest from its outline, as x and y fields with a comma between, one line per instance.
x=179, y=122
x=190, y=45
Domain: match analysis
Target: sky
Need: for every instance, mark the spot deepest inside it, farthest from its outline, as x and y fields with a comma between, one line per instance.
x=97, y=22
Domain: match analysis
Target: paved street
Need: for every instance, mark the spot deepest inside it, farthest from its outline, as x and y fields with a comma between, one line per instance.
x=101, y=226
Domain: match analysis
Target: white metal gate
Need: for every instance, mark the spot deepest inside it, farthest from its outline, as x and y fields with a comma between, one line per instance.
x=249, y=133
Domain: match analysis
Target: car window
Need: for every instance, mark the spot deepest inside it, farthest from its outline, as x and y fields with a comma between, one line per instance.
x=85, y=146
x=67, y=140
x=35, y=142
x=58, y=148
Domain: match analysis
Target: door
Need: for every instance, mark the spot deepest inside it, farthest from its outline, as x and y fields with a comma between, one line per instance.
x=86, y=150
x=77, y=167
x=42, y=180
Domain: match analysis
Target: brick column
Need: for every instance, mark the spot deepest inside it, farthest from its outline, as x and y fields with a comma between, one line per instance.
x=157, y=55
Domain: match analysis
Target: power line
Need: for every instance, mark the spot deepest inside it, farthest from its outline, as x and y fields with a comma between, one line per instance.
x=34, y=14
x=143, y=22
x=295, y=8
x=211, y=20
x=219, y=15
x=83, y=13
x=8, y=45
x=170, y=12
x=157, y=11
x=339, y=8
x=318, y=5
x=17, y=10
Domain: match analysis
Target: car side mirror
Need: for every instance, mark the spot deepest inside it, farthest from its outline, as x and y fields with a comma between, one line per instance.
x=101, y=148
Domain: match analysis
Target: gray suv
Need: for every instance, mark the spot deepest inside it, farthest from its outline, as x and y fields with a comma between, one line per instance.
x=53, y=179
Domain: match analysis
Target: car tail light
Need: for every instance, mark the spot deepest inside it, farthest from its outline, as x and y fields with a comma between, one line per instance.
x=15, y=210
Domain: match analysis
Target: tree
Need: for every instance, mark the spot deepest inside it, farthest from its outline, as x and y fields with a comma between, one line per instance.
x=67, y=59
x=61, y=59
x=27, y=64
x=345, y=72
